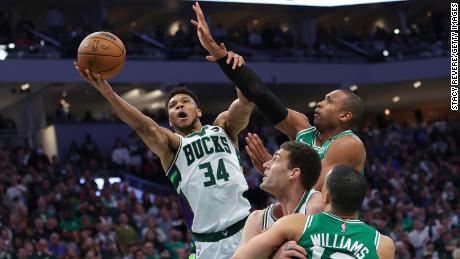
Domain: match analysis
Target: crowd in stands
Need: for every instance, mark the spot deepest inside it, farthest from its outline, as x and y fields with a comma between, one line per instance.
x=59, y=38
x=52, y=208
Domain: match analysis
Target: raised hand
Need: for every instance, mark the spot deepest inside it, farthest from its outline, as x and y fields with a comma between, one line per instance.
x=257, y=152
x=238, y=60
x=94, y=79
x=204, y=34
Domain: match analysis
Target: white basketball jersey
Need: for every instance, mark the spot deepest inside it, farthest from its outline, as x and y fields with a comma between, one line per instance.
x=269, y=218
x=208, y=177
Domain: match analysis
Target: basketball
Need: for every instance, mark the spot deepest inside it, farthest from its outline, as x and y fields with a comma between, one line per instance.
x=102, y=52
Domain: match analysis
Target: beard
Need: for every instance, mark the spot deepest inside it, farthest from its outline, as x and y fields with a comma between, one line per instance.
x=187, y=128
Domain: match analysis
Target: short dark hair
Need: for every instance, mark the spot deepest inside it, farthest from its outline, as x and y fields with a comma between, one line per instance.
x=353, y=104
x=306, y=159
x=181, y=90
x=347, y=188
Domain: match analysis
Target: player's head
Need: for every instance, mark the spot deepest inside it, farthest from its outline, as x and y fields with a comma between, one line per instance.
x=344, y=189
x=339, y=107
x=293, y=163
x=182, y=106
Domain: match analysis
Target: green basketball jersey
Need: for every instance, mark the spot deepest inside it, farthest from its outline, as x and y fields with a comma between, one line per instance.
x=328, y=236
x=308, y=136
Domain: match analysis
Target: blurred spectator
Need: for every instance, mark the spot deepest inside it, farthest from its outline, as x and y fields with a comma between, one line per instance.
x=55, y=20
x=120, y=154
x=125, y=233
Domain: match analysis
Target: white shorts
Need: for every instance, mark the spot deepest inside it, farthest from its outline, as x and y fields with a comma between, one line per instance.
x=222, y=249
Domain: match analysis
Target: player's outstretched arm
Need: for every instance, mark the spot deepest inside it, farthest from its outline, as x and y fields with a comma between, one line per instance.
x=160, y=140
x=289, y=122
x=264, y=245
x=236, y=118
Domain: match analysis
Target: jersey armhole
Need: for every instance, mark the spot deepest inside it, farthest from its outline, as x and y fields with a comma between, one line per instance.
x=307, y=223
x=304, y=131
x=377, y=239
x=175, y=156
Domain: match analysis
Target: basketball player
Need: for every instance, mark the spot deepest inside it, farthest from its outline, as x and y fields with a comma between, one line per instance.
x=202, y=163
x=290, y=177
x=335, y=233
x=334, y=116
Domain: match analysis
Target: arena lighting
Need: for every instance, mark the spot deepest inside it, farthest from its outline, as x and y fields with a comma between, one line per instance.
x=319, y=3
x=353, y=88
x=157, y=105
x=385, y=53
x=396, y=31
x=11, y=45
x=312, y=104
x=396, y=99
x=3, y=52
x=387, y=112
x=100, y=181
x=417, y=84
x=24, y=87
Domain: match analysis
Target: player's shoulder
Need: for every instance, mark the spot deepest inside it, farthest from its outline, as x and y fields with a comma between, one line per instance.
x=350, y=141
x=386, y=248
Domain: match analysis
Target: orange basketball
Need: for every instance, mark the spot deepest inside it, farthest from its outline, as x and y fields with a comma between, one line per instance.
x=102, y=52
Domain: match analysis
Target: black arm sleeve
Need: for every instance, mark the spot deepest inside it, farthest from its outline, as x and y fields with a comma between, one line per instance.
x=254, y=90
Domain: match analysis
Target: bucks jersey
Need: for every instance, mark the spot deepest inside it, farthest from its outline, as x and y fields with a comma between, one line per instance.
x=269, y=218
x=208, y=177
x=328, y=236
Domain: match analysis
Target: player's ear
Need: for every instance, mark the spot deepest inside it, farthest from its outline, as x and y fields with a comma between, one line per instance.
x=295, y=172
x=345, y=116
x=198, y=111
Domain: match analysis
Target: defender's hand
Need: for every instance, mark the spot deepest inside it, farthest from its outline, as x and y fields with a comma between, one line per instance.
x=257, y=152
x=238, y=60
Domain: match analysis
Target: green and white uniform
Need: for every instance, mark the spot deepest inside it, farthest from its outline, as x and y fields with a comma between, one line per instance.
x=308, y=136
x=269, y=218
x=208, y=177
x=328, y=236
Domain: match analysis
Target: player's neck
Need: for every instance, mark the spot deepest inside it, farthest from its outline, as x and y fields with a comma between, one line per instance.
x=325, y=135
x=187, y=131
x=339, y=214
x=291, y=199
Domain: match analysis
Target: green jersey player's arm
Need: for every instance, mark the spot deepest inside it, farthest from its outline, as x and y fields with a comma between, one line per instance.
x=160, y=140
x=386, y=249
x=262, y=246
x=236, y=118
x=347, y=150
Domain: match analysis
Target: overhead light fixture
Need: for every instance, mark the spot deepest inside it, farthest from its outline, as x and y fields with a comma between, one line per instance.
x=385, y=53
x=417, y=84
x=3, y=54
x=25, y=87
x=387, y=112
x=353, y=88
x=396, y=99
x=11, y=45
x=312, y=104
x=396, y=31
